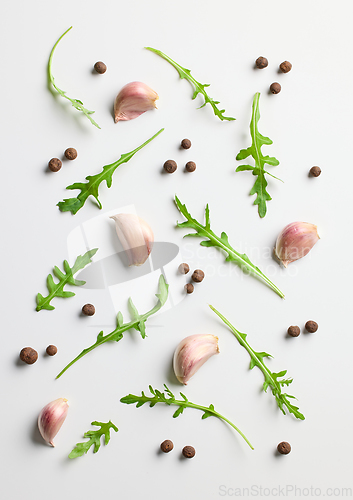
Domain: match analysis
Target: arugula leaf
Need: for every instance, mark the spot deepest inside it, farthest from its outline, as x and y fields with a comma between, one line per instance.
x=90, y=188
x=94, y=439
x=57, y=289
x=258, y=140
x=138, y=322
x=212, y=240
x=272, y=380
x=169, y=399
x=199, y=87
x=77, y=104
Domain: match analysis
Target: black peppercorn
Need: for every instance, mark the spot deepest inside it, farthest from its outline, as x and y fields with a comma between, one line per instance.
x=28, y=355
x=315, y=171
x=170, y=166
x=284, y=448
x=51, y=350
x=198, y=276
x=285, y=66
x=311, y=326
x=188, y=451
x=293, y=331
x=261, y=62
x=100, y=67
x=70, y=153
x=184, y=268
x=189, y=287
x=55, y=164
x=275, y=88
x=167, y=446
x=190, y=166
x=186, y=144
x=88, y=309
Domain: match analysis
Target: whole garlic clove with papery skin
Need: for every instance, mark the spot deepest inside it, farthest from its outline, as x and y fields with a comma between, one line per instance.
x=51, y=418
x=191, y=353
x=295, y=241
x=136, y=237
x=134, y=99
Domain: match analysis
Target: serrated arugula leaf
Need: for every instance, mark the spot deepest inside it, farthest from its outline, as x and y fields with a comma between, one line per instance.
x=272, y=379
x=199, y=88
x=94, y=439
x=137, y=322
x=168, y=398
x=212, y=240
x=66, y=278
x=90, y=188
x=76, y=103
x=258, y=140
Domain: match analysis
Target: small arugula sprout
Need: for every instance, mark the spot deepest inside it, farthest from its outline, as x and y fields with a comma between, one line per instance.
x=169, y=399
x=273, y=380
x=258, y=140
x=67, y=278
x=77, y=104
x=94, y=439
x=199, y=88
x=138, y=323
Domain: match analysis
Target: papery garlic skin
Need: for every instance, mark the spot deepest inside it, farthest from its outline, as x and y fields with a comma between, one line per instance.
x=51, y=418
x=295, y=241
x=191, y=353
x=134, y=99
x=136, y=237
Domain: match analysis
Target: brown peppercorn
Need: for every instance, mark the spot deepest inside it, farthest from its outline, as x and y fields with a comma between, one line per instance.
x=311, y=326
x=261, y=62
x=100, y=67
x=186, y=144
x=293, y=331
x=198, y=276
x=70, y=153
x=167, y=446
x=275, y=88
x=28, y=355
x=284, y=448
x=188, y=451
x=170, y=166
x=55, y=164
x=88, y=309
x=184, y=268
x=315, y=171
x=51, y=350
x=285, y=66
x=190, y=166
x=189, y=287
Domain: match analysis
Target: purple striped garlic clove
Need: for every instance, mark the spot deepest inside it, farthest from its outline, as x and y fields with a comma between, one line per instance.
x=191, y=353
x=136, y=237
x=51, y=418
x=134, y=99
x=295, y=241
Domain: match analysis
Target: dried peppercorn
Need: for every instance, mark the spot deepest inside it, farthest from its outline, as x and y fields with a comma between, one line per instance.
x=188, y=451
x=261, y=62
x=190, y=166
x=184, y=268
x=70, y=153
x=284, y=448
x=55, y=165
x=100, y=67
x=315, y=171
x=275, y=88
x=170, y=166
x=285, y=66
x=293, y=331
x=197, y=276
x=88, y=309
x=189, y=287
x=167, y=446
x=186, y=144
x=51, y=350
x=311, y=326
x=28, y=355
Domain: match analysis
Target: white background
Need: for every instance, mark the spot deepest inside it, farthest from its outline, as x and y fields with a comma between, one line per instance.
x=309, y=123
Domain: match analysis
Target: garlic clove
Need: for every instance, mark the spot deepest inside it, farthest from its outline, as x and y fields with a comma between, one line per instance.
x=295, y=241
x=191, y=353
x=136, y=237
x=51, y=418
x=134, y=99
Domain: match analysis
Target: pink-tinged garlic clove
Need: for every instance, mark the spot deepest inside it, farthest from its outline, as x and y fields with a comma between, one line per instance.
x=295, y=241
x=136, y=237
x=51, y=418
x=134, y=99
x=191, y=353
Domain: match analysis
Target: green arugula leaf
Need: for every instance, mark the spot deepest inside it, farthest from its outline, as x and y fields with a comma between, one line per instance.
x=90, y=188
x=76, y=103
x=168, y=398
x=57, y=289
x=212, y=240
x=137, y=322
x=258, y=140
x=94, y=439
x=271, y=378
x=199, y=88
